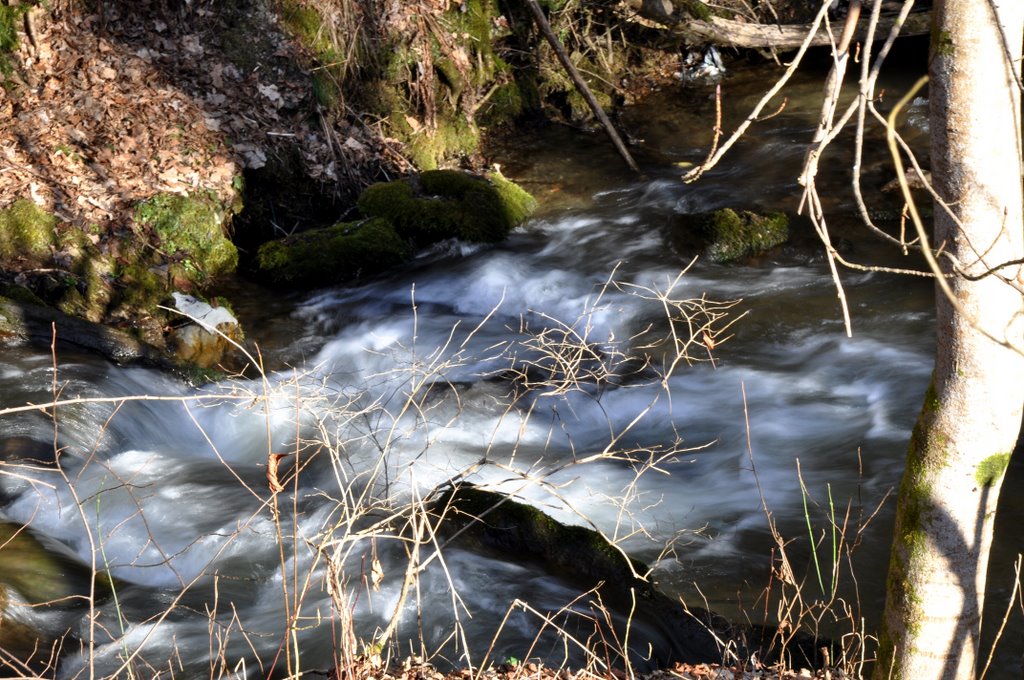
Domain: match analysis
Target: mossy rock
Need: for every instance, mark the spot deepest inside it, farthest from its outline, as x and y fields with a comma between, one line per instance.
x=480, y=518
x=321, y=257
x=40, y=574
x=21, y=294
x=515, y=528
x=26, y=230
x=726, y=235
x=190, y=230
x=441, y=204
x=61, y=267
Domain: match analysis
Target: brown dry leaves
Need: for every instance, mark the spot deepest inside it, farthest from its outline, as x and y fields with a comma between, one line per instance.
x=111, y=109
x=416, y=669
x=96, y=127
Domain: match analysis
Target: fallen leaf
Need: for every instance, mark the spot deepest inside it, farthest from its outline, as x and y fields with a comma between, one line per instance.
x=376, y=574
x=273, y=461
x=271, y=92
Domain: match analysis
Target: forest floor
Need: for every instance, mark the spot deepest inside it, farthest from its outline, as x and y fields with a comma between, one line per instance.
x=106, y=109
x=532, y=671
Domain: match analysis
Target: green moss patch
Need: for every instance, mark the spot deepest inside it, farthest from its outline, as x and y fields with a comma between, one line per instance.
x=190, y=230
x=26, y=230
x=698, y=10
x=727, y=235
x=442, y=204
x=322, y=257
x=734, y=235
x=10, y=17
x=61, y=267
x=991, y=470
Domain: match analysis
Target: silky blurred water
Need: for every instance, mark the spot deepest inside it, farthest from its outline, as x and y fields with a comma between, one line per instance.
x=175, y=497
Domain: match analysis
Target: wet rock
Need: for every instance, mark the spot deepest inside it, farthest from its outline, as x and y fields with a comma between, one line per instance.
x=18, y=456
x=487, y=520
x=915, y=180
x=726, y=235
x=212, y=332
x=43, y=589
x=442, y=204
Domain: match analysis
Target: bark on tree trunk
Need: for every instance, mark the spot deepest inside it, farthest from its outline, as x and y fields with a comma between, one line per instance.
x=972, y=412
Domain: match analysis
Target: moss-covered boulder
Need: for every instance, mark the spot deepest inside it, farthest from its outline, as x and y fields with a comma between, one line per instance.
x=190, y=233
x=53, y=262
x=727, y=235
x=38, y=577
x=115, y=278
x=322, y=257
x=441, y=204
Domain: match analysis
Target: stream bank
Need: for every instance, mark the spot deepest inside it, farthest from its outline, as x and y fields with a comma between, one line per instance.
x=842, y=406
x=813, y=396
x=154, y=147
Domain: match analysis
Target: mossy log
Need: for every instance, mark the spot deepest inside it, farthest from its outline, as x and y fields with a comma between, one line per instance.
x=39, y=325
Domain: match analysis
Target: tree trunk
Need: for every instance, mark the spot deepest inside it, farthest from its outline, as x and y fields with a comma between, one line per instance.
x=972, y=412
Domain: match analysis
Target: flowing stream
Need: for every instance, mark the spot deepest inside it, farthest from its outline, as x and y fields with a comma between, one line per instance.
x=399, y=384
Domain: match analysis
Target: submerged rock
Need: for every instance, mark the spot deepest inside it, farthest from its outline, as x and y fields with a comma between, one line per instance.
x=20, y=454
x=726, y=235
x=488, y=520
x=42, y=591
